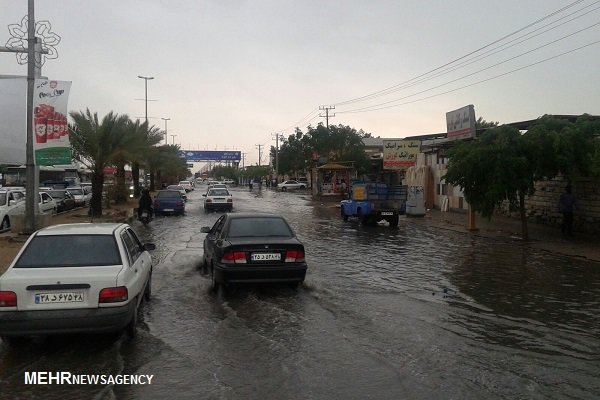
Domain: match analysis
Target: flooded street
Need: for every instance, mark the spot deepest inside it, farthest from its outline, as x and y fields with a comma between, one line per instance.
x=412, y=312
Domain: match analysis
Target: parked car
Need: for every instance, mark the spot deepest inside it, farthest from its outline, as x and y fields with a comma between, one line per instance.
x=187, y=185
x=287, y=185
x=47, y=203
x=252, y=247
x=64, y=200
x=169, y=202
x=96, y=285
x=218, y=199
x=180, y=189
x=12, y=201
x=80, y=196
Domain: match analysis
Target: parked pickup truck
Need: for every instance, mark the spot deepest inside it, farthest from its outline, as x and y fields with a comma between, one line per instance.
x=374, y=202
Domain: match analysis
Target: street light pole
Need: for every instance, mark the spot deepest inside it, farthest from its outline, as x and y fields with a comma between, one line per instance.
x=166, y=136
x=173, y=137
x=146, y=79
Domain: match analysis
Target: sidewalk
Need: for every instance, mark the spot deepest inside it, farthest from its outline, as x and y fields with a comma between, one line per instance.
x=504, y=228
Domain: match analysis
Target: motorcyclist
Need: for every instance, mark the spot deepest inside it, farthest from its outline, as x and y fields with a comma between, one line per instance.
x=145, y=203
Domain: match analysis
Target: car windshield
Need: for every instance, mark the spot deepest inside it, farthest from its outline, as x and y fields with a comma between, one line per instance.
x=56, y=193
x=175, y=187
x=259, y=227
x=2, y=199
x=170, y=194
x=70, y=251
x=218, y=192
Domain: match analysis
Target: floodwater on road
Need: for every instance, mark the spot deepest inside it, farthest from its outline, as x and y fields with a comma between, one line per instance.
x=412, y=312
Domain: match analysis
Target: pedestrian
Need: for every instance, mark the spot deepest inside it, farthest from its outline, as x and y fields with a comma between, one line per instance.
x=567, y=206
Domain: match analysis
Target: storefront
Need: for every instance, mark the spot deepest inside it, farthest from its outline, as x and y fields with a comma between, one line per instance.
x=333, y=179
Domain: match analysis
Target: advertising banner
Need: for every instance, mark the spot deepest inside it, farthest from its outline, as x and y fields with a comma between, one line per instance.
x=51, y=133
x=400, y=154
x=13, y=120
x=205, y=155
x=461, y=123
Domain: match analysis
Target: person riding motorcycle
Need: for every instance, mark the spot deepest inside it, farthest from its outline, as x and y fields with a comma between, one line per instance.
x=145, y=203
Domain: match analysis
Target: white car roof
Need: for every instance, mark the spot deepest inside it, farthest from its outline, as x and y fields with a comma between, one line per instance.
x=81, y=229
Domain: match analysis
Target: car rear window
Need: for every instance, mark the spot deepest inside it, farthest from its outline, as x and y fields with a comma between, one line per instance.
x=56, y=193
x=70, y=251
x=218, y=192
x=259, y=226
x=78, y=192
x=171, y=194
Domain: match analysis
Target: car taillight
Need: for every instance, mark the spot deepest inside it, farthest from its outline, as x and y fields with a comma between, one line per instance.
x=8, y=299
x=113, y=294
x=294, y=256
x=234, y=257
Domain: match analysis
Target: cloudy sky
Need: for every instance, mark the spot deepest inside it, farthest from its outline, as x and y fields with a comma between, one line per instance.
x=231, y=73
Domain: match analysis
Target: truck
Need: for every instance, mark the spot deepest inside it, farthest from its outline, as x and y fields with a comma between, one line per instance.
x=372, y=203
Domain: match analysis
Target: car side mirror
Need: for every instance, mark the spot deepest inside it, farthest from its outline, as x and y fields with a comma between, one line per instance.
x=149, y=246
x=204, y=195
x=205, y=229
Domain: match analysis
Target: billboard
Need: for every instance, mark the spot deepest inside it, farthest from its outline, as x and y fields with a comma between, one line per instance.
x=50, y=130
x=206, y=155
x=460, y=123
x=13, y=120
x=400, y=154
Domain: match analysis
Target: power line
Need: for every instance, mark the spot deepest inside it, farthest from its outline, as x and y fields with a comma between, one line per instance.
x=474, y=83
x=384, y=91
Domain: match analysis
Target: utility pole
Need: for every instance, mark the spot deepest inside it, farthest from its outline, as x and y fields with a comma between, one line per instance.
x=166, y=136
x=259, y=146
x=326, y=109
x=31, y=201
x=277, y=136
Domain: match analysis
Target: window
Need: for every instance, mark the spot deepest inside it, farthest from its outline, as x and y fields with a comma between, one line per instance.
x=259, y=226
x=70, y=251
x=133, y=248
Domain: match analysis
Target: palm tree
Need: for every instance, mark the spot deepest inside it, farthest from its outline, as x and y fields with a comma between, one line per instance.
x=96, y=145
x=146, y=137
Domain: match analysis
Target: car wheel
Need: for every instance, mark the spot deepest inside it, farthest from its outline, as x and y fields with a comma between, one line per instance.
x=394, y=221
x=148, y=291
x=131, y=328
x=294, y=285
x=284, y=189
x=215, y=284
x=302, y=187
x=344, y=216
x=5, y=224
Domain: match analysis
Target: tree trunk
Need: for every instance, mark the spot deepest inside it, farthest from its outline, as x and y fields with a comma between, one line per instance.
x=152, y=188
x=135, y=175
x=97, y=188
x=120, y=188
x=524, y=230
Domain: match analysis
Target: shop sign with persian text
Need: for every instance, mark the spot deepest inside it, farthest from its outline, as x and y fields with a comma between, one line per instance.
x=400, y=153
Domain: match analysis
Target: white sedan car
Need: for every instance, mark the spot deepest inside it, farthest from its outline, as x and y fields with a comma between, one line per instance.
x=287, y=185
x=218, y=198
x=76, y=278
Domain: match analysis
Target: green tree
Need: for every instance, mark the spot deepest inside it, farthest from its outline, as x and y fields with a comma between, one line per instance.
x=97, y=144
x=504, y=164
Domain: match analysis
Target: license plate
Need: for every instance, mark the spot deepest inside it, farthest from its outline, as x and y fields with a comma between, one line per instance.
x=387, y=213
x=265, y=257
x=65, y=297
x=168, y=209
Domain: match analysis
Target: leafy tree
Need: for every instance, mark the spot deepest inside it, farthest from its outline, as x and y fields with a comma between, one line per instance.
x=96, y=145
x=483, y=124
x=338, y=143
x=503, y=164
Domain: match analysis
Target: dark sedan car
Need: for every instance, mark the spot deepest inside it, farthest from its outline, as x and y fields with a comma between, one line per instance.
x=64, y=200
x=169, y=202
x=253, y=248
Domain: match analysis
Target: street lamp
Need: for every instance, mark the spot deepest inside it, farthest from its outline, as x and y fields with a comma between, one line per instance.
x=146, y=79
x=166, y=136
x=173, y=137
